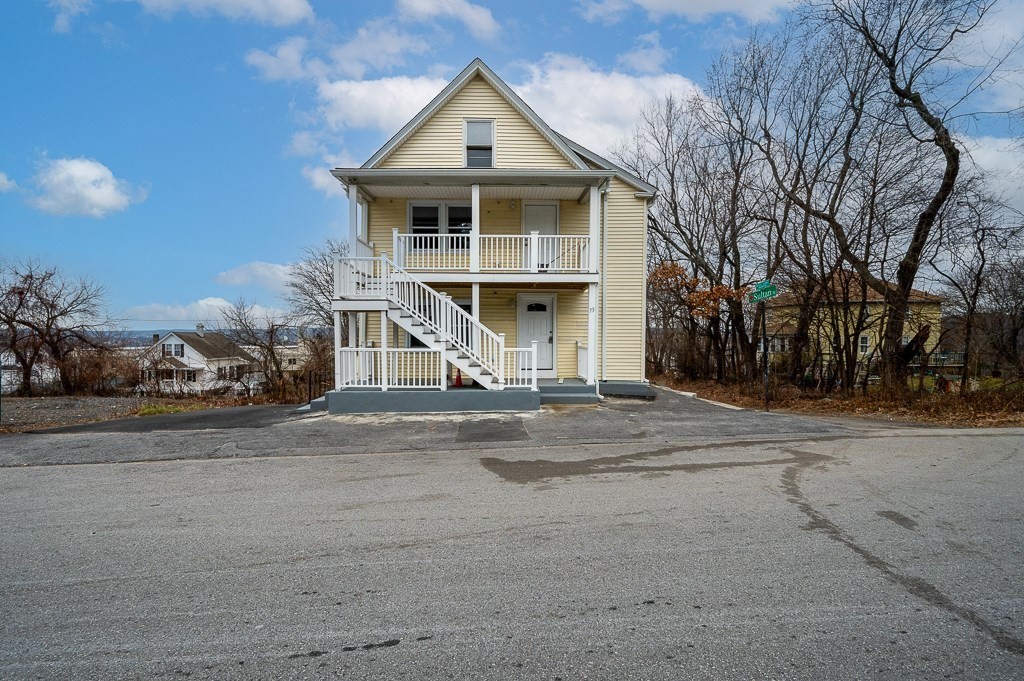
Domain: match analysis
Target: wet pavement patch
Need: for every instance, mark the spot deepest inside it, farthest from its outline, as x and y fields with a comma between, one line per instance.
x=898, y=518
x=312, y=653
x=493, y=430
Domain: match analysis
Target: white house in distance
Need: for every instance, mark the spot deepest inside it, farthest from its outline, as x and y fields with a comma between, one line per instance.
x=197, y=361
x=487, y=249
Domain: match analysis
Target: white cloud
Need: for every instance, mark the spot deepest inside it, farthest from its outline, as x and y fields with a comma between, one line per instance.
x=478, y=20
x=287, y=62
x=305, y=143
x=274, y=12
x=271, y=276
x=82, y=186
x=1002, y=160
x=595, y=108
x=7, y=184
x=320, y=178
x=66, y=11
x=611, y=11
x=203, y=310
x=379, y=45
x=648, y=56
x=382, y=104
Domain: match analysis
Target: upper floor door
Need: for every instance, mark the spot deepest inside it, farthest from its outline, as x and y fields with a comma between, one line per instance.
x=540, y=217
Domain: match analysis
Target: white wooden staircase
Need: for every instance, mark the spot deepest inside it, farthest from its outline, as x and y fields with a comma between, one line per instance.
x=437, y=322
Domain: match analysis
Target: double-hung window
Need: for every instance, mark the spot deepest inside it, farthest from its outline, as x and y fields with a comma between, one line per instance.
x=479, y=143
x=173, y=350
x=429, y=222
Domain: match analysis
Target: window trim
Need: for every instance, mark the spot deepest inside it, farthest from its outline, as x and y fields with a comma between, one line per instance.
x=465, y=141
x=442, y=214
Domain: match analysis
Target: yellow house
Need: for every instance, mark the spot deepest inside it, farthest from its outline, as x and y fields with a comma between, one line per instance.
x=839, y=316
x=487, y=250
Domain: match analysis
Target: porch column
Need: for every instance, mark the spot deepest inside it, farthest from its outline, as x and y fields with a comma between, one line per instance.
x=337, y=350
x=384, y=378
x=353, y=217
x=476, y=301
x=474, y=235
x=595, y=229
x=592, y=334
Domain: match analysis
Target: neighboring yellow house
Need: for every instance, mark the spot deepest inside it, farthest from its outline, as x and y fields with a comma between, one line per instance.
x=486, y=248
x=840, y=312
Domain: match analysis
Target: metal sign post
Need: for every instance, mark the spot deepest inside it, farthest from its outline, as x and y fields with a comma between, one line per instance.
x=762, y=292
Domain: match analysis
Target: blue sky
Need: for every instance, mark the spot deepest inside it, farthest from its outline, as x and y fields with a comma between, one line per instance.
x=176, y=151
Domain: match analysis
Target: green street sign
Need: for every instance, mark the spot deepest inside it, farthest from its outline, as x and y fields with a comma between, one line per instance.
x=763, y=285
x=764, y=293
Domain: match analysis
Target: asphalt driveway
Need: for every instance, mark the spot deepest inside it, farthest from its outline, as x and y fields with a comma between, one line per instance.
x=259, y=431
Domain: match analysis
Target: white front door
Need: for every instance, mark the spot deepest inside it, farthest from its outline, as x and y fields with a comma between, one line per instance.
x=537, y=323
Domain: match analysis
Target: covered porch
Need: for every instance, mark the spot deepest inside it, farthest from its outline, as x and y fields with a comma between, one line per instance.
x=477, y=221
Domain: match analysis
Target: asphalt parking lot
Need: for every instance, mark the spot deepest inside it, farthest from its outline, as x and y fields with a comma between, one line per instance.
x=665, y=540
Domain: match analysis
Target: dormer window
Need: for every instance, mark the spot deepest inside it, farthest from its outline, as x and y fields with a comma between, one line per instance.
x=479, y=144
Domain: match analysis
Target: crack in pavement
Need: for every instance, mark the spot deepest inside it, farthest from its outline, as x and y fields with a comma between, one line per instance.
x=538, y=470
x=915, y=586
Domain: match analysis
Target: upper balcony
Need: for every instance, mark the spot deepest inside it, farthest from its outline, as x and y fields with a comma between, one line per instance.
x=475, y=253
x=482, y=231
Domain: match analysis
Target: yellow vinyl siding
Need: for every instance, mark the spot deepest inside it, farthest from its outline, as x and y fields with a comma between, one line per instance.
x=438, y=143
x=625, y=279
x=571, y=309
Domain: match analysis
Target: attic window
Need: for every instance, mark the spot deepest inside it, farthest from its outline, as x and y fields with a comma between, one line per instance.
x=480, y=144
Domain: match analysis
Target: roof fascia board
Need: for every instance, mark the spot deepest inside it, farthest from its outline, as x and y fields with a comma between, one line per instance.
x=491, y=176
x=646, y=190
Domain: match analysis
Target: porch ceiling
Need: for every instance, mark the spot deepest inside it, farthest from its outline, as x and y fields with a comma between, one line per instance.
x=456, y=183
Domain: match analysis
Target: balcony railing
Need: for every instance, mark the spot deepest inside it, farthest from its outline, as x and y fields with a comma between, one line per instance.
x=492, y=253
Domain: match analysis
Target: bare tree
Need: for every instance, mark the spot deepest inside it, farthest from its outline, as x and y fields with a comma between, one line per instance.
x=266, y=335
x=41, y=305
x=311, y=286
x=897, y=66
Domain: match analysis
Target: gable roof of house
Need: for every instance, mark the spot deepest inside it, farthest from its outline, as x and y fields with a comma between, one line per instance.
x=476, y=68
x=581, y=157
x=211, y=345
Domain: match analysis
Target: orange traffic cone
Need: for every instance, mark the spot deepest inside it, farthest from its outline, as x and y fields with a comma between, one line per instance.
x=458, y=378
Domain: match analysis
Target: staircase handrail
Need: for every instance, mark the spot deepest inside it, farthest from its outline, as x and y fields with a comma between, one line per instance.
x=490, y=352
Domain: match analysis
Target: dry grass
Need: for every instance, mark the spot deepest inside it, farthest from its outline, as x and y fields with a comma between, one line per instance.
x=1000, y=407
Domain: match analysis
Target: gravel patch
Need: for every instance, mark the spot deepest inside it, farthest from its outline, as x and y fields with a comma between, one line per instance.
x=29, y=413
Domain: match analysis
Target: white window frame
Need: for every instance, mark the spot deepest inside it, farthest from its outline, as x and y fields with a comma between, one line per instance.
x=442, y=218
x=465, y=140
x=865, y=344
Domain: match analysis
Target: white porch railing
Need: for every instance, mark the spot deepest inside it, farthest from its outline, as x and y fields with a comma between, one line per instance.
x=358, y=277
x=582, y=360
x=392, y=368
x=497, y=253
x=521, y=367
x=431, y=251
x=452, y=328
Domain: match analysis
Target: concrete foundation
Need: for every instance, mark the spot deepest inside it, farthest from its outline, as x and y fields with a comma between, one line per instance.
x=427, y=401
x=634, y=389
